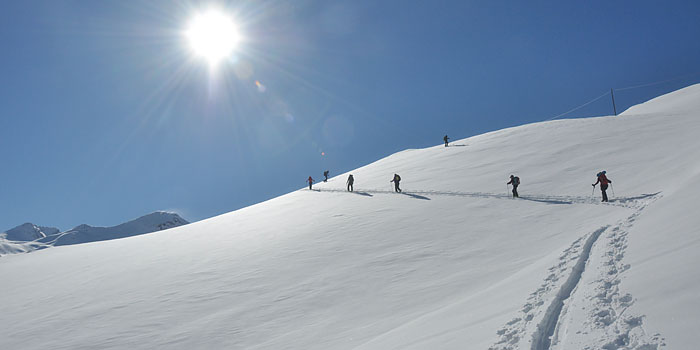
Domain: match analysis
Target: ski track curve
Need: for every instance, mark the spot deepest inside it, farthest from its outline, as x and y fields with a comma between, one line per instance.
x=540, y=318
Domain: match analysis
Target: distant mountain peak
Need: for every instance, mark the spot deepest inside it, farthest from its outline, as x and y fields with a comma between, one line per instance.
x=156, y=221
x=28, y=232
x=50, y=236
x=81, y=227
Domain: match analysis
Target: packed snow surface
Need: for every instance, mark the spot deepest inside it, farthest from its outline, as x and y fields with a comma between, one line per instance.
x=453, y=262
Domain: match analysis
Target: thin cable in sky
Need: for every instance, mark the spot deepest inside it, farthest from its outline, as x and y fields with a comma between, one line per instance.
x=657, y=82
x=579, y=107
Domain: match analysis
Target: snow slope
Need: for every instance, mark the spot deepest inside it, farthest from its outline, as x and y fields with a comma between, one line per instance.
x=15, y=247
x=452, y=263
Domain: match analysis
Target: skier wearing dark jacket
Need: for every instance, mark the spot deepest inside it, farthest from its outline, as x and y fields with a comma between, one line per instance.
x=445, y=138
x=351, y=180
x=325, y=174
x=604, y=181
x=516, y=182
x=396, y=181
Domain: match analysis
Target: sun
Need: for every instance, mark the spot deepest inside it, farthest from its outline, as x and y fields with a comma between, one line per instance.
x=212, y=35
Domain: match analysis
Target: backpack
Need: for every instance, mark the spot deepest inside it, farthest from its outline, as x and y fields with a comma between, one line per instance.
x=516, y=181
x=397, y=178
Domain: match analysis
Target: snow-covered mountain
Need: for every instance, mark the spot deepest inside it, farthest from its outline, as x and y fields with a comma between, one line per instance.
x=15, y=247
x=156, y=221
x=453, y=262
x=29, y=237
x=28, y=232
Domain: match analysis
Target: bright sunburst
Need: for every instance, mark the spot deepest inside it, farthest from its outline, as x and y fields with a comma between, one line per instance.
x=212, y=35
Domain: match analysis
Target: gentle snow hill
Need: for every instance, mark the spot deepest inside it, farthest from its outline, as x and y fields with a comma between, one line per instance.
x=452, y=263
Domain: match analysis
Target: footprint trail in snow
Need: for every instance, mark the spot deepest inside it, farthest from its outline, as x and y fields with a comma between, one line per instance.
x=589, y=271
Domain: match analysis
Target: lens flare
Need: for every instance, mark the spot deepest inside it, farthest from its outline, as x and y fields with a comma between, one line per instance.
x=261, y=87
x=213, y=35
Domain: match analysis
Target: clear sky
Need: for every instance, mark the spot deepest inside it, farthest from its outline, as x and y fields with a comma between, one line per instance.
x=106, y=115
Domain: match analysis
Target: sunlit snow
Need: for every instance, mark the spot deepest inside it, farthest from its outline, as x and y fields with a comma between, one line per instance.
x=452, y=263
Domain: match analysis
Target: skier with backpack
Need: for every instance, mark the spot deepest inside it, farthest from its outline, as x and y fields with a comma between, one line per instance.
x=325, y=174
x=604, y=181
x=445, y=138
x=310, y=180
x=396, y=181
x=516, y=182
x=350, y=181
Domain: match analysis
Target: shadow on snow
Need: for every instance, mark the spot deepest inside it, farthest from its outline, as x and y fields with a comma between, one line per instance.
x=629, y=199
x=362, y=194
x=415, y=196
x=546, y=199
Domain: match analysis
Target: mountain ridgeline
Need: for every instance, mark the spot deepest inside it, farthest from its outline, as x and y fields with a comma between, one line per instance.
x=28, y=237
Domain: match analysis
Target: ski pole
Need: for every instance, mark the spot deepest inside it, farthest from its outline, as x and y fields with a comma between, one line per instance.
x=593, y=191
x=507, y=190
x=612, y=189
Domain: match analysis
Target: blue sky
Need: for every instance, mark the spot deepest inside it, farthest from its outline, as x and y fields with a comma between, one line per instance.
x=105, y=115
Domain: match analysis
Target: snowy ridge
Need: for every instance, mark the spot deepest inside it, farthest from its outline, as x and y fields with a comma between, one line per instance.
x=451, y=263
x=157, y=221
x=28, y=232
x=25, y=238
x=29, y=237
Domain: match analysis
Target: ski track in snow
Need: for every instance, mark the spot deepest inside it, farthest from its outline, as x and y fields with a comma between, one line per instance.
x=547, y=199
x=548, y=302
x=539, y=321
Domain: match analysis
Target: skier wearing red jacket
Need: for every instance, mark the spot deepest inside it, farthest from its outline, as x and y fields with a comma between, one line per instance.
x=310, y=181
x=604, y=181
